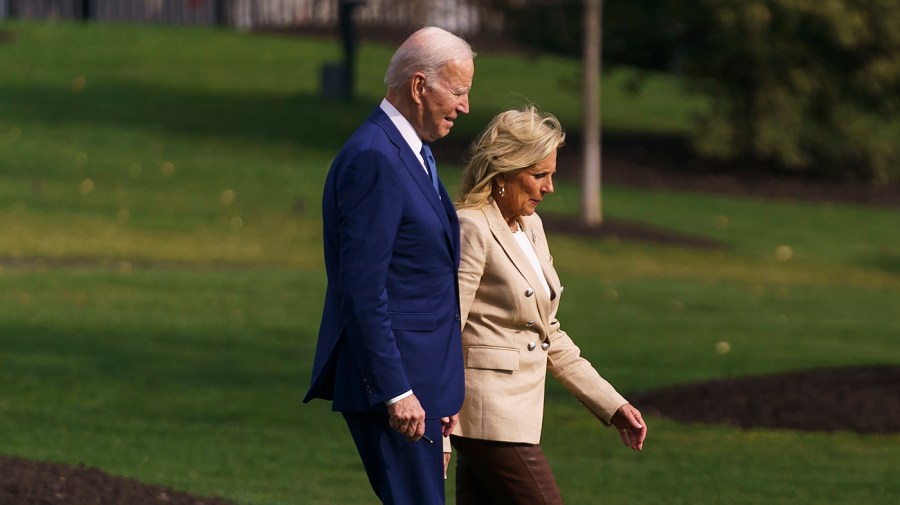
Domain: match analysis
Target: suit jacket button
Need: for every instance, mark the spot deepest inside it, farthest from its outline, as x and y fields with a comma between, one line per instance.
x=529, y=292
x=457, y=317
x=545, y=345
x=531, y=346
x=529, y=324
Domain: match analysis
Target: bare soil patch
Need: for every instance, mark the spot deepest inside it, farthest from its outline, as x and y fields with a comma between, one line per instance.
x=863, y=399
x=27, y=482
x=666, y=162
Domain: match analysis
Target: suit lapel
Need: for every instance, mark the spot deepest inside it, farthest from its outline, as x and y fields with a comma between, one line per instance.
x=417, y=173
x=514, y=252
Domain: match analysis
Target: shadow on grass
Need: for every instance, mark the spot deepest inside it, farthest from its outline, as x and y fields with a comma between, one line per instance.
x=886, y=261
x=298, y=119
x=304, y=119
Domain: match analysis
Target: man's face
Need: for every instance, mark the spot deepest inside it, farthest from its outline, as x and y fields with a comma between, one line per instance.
x=444, y=100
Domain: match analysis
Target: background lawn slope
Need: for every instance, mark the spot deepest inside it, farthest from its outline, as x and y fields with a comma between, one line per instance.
x=162, y=279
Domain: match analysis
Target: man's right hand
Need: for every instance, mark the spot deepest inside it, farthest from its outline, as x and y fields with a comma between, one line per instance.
x=408, y=417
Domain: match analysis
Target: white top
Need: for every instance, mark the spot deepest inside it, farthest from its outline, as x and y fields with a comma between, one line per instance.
x=528, y=249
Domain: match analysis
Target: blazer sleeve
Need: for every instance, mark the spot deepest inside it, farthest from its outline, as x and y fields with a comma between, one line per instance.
x=580, y=378
x=575, y=373
x=473, y=257
x=369, y=203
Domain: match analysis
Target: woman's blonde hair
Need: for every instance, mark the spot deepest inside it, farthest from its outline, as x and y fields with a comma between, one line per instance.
x=514, y=140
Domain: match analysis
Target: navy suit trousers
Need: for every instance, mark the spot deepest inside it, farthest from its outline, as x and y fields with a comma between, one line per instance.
x=400, y=472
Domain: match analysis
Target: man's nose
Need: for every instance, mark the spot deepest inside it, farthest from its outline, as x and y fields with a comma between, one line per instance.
x=464, y=104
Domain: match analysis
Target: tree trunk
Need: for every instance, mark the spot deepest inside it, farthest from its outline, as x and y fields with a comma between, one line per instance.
x=591, y=209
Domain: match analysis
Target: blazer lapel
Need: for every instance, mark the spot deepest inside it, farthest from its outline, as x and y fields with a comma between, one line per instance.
x=507, y=241
x=547, y=267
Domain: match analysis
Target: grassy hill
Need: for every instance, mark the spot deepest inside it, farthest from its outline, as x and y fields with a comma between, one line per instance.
x=162, y=279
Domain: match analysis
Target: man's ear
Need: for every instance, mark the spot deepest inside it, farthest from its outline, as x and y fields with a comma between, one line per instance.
x=417, y=87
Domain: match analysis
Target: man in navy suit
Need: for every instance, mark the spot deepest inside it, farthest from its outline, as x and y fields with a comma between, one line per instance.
x=389, y=354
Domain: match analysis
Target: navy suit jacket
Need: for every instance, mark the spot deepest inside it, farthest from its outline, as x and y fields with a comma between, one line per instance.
x=391, y=316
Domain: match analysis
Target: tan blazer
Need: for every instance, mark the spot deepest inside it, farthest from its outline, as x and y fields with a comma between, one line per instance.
x=511, y=336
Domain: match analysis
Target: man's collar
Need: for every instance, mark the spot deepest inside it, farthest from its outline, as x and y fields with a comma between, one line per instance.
x=403, y=126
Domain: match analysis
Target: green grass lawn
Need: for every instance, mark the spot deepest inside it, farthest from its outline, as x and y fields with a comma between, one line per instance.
x=162, y=279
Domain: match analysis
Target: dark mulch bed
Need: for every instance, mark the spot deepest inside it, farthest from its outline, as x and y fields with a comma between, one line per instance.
x=628, y=230
x=863, y=399
x=666, y=162
x=27, y=482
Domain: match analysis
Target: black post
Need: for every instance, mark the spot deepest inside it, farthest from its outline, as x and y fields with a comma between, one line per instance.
x=220, y=15
x=86, y=10
x=347, y=26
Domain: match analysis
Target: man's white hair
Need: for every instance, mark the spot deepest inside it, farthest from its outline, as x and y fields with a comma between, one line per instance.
x=427, y=51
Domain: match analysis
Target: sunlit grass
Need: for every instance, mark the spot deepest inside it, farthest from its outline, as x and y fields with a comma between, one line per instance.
x=161, y=266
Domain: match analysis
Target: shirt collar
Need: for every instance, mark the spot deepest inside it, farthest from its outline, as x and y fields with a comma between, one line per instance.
x=406, y=130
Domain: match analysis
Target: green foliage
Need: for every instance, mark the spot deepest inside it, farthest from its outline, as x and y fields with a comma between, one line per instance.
x=546, y=25
x=806, y=85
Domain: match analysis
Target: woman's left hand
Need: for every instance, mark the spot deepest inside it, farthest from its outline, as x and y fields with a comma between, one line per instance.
x=446, y=463
x=447, y=425
x=631, y=426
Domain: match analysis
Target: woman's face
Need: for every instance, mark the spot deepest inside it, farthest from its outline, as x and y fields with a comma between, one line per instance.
x=525, y=189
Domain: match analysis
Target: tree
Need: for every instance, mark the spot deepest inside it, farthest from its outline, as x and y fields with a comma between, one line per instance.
x=808, y=84
x=547, y=24
x=591, y=208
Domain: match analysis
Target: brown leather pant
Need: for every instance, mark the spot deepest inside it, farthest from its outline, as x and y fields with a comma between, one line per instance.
x=503, y=473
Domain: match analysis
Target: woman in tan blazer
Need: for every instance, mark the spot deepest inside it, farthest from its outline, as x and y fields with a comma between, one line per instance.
x=509, y=296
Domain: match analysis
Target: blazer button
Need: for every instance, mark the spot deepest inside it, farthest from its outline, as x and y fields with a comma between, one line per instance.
x=545, y=345
x=457, y=317
x=532, y=346
x=529, y=292
x=529, y=324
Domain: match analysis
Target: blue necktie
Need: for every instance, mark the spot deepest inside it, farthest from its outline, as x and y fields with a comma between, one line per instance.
x=432, y=168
